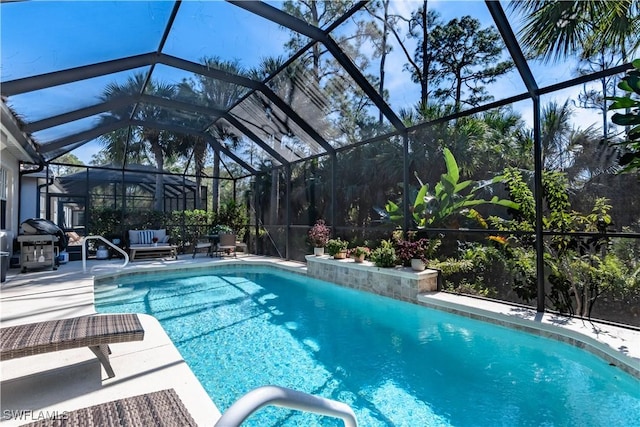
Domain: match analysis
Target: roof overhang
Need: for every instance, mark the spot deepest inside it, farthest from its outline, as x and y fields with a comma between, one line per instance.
x=18, y=143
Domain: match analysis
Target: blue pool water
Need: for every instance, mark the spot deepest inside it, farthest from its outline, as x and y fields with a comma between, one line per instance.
x=396, y=364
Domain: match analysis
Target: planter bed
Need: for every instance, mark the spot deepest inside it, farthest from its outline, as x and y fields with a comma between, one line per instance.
x=400, y=282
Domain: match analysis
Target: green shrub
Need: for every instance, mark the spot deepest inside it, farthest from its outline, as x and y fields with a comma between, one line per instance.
x=385, y=255
x=336, y=245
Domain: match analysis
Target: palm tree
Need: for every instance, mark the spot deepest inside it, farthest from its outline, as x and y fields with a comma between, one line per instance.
x=556, y=30
x=221, y=95
x=159, y=144
x=602, y=33
x=115, y=143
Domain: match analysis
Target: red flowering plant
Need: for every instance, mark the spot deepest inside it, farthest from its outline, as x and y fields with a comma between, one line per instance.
x=154, y=239
x=408, y=249
x=319, y=234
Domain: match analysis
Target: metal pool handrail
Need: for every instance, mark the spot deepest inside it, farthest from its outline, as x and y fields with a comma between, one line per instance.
x=84, y=251
x=285, y=397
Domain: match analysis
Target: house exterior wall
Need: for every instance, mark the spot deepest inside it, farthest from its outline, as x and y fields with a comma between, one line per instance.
x=9, y=175
x=15, y=147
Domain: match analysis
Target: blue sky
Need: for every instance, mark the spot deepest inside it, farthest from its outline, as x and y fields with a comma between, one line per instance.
x=39, y=37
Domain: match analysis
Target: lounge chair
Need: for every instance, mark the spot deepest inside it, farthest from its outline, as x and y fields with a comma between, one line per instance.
x=200, y=243
x=159, y=408
x=227, y=244
x=95, y=332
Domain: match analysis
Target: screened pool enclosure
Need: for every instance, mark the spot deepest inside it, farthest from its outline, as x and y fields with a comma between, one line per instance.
x=482, y=125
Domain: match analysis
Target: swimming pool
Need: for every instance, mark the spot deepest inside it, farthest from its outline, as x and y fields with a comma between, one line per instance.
x=395, y=363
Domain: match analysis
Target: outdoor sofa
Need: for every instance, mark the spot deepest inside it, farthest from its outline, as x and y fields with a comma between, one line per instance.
x=142, y=245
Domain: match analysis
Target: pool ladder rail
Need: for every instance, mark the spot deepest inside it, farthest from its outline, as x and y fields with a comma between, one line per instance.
x=115, y=247
x=287, y=398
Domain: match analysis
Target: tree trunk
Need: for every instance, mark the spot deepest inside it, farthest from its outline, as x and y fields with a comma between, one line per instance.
x=158, y=199
x=458, y=99
x=383, y=52
x=199, y=154
x=275, y=199
x=215, y=192
x=424, y=84
x=313, y=7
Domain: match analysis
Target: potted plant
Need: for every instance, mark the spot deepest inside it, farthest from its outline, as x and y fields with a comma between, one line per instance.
x=155, y=241
x=337, y=248
x=319, y=236
x=385, y=255
x=415, y=253
x=359, y=253
x=221, y=229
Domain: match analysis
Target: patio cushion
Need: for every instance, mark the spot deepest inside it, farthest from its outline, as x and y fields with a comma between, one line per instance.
x=145, y=237
x=134, y=238
x=160, y=234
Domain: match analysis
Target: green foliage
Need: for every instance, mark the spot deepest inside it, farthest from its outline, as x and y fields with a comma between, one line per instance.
x=144, y=219
x=630, y=160
x=104, y=221
x=358, y=251
x=470, y=272
x=221, y=229
x=450, y=197
x=233, y=215
x=451, y=266
x=579, y=269
x=468, y=288
x=466, y=57
x=336, y=245
x=413, y=248
x=184, y=227
x=520, y=193
x=385, y=255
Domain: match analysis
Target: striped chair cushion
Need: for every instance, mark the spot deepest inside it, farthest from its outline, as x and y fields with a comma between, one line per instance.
x=146, y=237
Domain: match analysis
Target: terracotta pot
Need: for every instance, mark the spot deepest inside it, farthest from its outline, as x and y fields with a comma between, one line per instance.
x=340, y=255
x=358, y=259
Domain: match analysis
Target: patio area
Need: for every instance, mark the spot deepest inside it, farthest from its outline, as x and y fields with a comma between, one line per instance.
x=64, y=381
x=72, y=379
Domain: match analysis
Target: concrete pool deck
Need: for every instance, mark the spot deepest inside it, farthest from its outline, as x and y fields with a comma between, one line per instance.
x=72, y=379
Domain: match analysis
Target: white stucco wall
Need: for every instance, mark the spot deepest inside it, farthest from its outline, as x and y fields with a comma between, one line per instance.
x=29, y=197
x=11, y=165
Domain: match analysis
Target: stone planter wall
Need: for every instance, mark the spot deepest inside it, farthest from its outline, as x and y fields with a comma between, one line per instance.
x=400, y=283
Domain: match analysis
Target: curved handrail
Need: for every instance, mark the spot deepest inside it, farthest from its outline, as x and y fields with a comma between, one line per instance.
x=84, y=251
x=281, y=396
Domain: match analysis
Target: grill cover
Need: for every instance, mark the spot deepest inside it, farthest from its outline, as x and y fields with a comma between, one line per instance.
x=44, y=226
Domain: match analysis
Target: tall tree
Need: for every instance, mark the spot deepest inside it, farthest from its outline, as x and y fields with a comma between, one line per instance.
x=68, y=159
x=344, y=103
x=217, y=94
x=601, y=34
x=158, y=144
x=419, y=25
x=467, y=57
